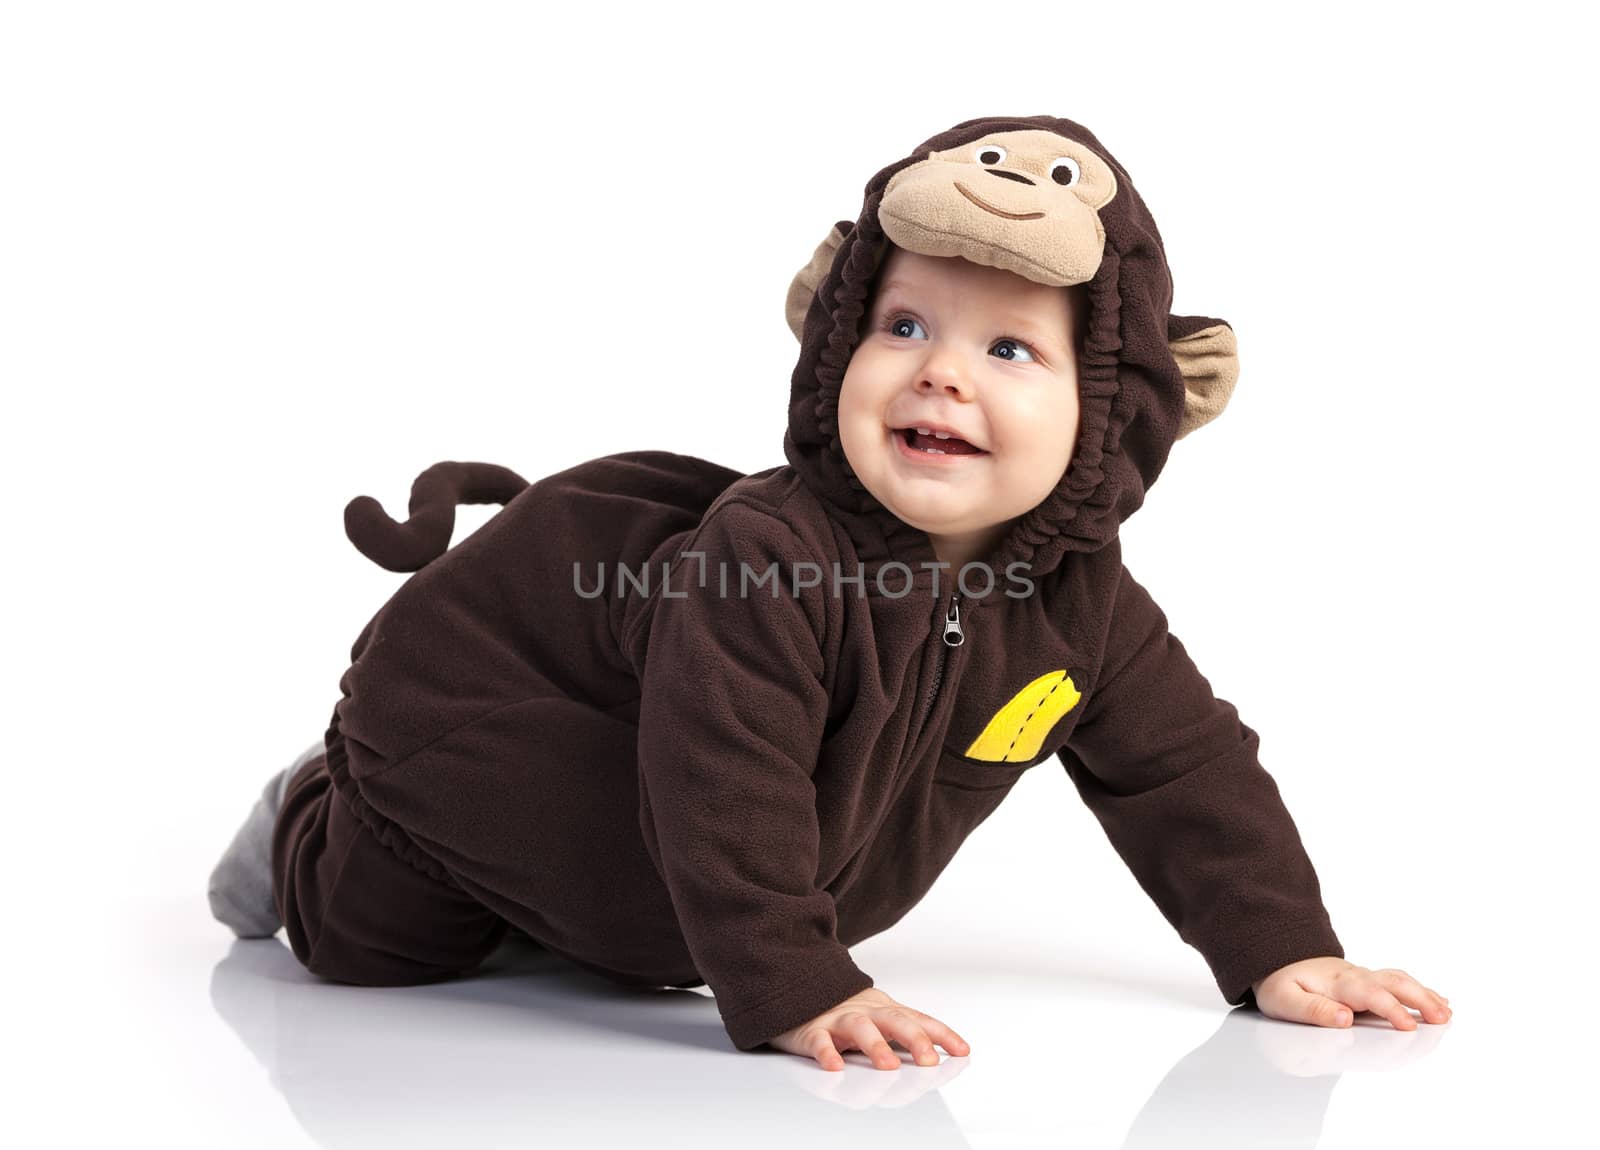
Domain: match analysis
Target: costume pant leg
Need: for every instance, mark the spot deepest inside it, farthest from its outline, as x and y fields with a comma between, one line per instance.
x=354, y=911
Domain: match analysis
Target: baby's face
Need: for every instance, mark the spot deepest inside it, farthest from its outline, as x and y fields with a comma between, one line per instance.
x=988, y=356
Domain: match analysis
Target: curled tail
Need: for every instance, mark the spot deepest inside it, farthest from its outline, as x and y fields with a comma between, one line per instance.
x=425, y=536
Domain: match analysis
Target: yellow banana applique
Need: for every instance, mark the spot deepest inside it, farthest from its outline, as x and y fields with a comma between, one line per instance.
x=1017, y=730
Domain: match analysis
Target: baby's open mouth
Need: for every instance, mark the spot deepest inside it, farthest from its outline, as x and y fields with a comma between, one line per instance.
x=936, y=443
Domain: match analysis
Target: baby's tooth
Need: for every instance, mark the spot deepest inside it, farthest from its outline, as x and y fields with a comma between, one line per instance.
x=941, y=435
x=924, y=431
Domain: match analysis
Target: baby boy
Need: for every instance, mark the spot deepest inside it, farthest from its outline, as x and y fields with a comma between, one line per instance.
x=691, y=781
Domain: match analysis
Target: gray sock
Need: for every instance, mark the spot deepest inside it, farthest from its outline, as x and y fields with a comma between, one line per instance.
x=240, y=889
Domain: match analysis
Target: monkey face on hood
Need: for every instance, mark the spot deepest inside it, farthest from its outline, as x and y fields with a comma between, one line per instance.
x=1042, y=198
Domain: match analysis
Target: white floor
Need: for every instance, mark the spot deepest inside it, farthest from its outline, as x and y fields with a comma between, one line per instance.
x=199, y=1039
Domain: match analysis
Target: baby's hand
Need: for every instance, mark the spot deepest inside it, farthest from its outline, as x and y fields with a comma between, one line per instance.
x=1318, y=991
x=861, y=1022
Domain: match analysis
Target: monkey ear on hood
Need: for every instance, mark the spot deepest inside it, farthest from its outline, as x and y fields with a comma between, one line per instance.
x=1208, y=357
x=809, y=278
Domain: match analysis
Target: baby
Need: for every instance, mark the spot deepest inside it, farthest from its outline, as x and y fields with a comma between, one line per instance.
x=683, y=726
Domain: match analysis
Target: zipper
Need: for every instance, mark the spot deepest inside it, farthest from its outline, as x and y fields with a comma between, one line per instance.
x=954, y=636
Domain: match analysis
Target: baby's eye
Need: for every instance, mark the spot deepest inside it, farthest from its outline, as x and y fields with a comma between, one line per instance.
x=895, y=323
x=1018, y=344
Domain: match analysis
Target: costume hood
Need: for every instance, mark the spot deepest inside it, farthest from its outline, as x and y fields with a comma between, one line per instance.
x=1040, y=197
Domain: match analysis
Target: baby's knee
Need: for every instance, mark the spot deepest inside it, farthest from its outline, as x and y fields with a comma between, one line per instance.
x=355, y=911
x=336, y=960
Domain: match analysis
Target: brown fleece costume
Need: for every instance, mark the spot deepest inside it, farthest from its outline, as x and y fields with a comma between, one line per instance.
x=672, y=785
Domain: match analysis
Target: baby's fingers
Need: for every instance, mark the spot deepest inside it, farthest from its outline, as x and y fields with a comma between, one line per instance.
x=861, y=1032
x=823, y=1050
x=1364, y=991
x=1303, y=1004
x=917, y=1033
x=1435, y=1007
x=945, y=1037
x=1369, y=995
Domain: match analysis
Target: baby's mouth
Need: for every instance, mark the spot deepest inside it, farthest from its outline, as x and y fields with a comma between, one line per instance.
x=936, y=444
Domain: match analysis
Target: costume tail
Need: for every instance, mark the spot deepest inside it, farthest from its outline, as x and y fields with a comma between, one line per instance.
x=425, y=536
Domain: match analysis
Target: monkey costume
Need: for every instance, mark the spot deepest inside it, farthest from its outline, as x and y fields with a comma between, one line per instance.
x=592, y=722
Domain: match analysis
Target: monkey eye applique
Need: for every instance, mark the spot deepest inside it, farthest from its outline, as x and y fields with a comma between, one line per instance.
x=1018, y=729
x=1065, y=171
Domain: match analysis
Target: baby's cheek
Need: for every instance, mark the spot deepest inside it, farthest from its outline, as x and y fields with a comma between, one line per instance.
x=1033, y=473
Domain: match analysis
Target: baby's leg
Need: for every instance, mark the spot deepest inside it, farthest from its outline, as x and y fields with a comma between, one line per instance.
x=354, y=910
x=240, y=887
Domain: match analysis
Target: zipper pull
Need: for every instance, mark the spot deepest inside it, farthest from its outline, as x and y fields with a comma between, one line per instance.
x=953, y=635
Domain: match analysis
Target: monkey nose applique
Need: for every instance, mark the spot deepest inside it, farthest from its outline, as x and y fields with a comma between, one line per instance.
x=1017, y=730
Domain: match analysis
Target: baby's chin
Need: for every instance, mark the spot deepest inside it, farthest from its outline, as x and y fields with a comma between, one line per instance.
x=939, y=515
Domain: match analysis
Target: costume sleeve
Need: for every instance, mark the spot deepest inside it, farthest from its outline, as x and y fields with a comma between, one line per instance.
x=730, y=726
x=1173, y=777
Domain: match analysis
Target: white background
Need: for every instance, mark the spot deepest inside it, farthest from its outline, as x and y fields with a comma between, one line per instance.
x=258, y=259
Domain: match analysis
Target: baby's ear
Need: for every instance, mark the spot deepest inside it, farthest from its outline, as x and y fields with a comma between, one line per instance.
x=806, y=281
x=1208, y=357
